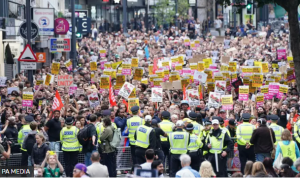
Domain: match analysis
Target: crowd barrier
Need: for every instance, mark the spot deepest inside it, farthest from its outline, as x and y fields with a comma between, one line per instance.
x=123, y=157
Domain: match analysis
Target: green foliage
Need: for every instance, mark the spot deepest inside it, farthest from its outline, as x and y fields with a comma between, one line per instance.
x=183, y=7
x=60, y=15
x=164, y=12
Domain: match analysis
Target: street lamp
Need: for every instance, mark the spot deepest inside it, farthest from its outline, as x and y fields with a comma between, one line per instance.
x=256, y=5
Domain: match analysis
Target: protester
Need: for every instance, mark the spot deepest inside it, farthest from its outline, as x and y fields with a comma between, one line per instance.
x=268, y=163
x=206, y=170
x=158, y=165
x=54, y=167
x=80, y=170
x=92, y=138
x=248, y=169
x=186, y=170
x=258, y=169
x=39, y=149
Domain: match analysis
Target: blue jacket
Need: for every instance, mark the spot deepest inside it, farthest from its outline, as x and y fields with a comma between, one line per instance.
x=120, y=122
x=187, y=172
x=155, y=117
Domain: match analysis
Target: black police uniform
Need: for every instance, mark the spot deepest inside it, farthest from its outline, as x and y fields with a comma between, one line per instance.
x=196, y=157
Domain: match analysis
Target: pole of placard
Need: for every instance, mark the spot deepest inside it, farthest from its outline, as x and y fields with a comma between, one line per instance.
x=73, y=39
x=28, y=25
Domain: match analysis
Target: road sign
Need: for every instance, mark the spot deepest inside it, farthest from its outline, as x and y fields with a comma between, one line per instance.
x=28, y=65
x=60, y=44
x=27, y=55
x=44, y=18
x=34, y=30
x=84, y=25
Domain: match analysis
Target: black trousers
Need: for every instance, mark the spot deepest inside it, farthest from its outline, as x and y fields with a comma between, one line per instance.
x=71, y=159
x=222, y=162
x=245, y=155
x=140, y=155
x=166, y=149
x=132, y=150
x=175, y=164
x=195, y=160
x=24, y=159
x=109, y=160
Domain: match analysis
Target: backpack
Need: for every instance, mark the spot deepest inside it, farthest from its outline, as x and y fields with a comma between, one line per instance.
x=30, y=143
x=83, y=135
x=116, y=138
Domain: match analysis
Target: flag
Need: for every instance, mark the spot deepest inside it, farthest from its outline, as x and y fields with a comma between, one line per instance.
x=184, y=93
x=57, y=103
x=112, y=99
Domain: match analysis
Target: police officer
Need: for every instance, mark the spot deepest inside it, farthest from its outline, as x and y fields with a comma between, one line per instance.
x=21, y=135
x=70, y=145
x=167, y=127
x=204, y=133
x=243, y=135
x=194, y=147
x=145, y=138
x=216, y=140
x=197, y=127
x=221, y=121
x=276, y=128
x=132, y=124
x=179, y=141
x=297, y=132
x=158, y=133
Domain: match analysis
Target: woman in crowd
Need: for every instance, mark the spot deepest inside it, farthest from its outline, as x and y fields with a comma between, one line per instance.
x=258, y=169
x=268, y=163
x=39, y=149
x=248, y=169
x=206, y=170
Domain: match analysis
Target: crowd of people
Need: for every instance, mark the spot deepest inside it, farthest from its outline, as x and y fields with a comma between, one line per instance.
x=184, y=104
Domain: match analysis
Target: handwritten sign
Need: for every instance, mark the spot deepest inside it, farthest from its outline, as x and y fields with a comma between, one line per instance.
x=156, y=94
x=243, y=93
x=64, y=80
x=27, y=100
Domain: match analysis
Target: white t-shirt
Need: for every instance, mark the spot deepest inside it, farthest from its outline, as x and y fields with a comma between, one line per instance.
x=218, y=23
x=146, y=166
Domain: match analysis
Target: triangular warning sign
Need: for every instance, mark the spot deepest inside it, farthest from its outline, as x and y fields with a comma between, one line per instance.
x=27, y=55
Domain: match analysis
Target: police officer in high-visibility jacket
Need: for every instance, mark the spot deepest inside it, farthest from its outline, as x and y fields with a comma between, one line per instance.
x=276, y=128
x=296, y=132
x=194, y=147
x=167, y=127
x=243, y=135
x=132, y=124
x=197, y=127
x=145, y=138
x=215, y=142
x=179, y=141
x=70, y=145
x=21, y=135
x=205, y=132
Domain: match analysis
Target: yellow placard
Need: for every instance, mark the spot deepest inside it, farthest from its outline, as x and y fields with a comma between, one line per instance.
x=181, y=59
x=209, y=75
x=104, y=82
x=120, y=80
x=275, y=65
x=243, y=90
x=175, y=60
x=108, y=65
x=290, y=58
x=144, y=81
x=160, y=73
x=138, y=74
x=232, y=63
x=257, y=80
x=165, y=63
x=28, y=96
x=218, y=77
x=157, y=82
x=247, y=69
x=192, y=44
x=185, y=82
x=134, y=62
x=265, y=67
x=39, y=81
x=292, y=65
x=152, y=77
x=226, y=75
x=224, y=67
x=207, y=62
x=93, y=66
x=256, y=69
x=55, y=68
x=107, y=72
x=210, y=86
x=48, y=79
x=258, y=64
x=264, y=90
x=178, y=67
x=201, y=66
x=260, y=98
x=193, y=66
x=132, y=102
x=227, y=100
x=166, y=72
x=246, y=81
x=174, y=77
x=68, y=63
x=283, y=89
x=150, y=67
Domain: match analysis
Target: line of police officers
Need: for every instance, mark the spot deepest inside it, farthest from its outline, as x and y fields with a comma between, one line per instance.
x=212, y=142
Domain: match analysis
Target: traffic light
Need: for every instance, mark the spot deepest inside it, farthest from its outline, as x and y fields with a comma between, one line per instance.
x=249, y=7
x=78, y=35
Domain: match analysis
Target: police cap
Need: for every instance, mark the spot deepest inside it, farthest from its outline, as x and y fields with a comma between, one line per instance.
x=246, y=117
x=69, y=120
x=207, y=122
x=189, y=127
x=273, y=117
x=193, y=115
x=165, y=114
x=135, y=109
x=29, y=118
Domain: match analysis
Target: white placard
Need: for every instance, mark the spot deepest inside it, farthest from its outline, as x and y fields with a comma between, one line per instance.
x=28, y=65
x=193, y=97
x=2, y=81
x=200, y=76
x=126, y=90
x=156, y=94
x=94, y=100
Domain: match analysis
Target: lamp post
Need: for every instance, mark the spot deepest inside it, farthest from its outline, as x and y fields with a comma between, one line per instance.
x=176, y=15
x=256, y=5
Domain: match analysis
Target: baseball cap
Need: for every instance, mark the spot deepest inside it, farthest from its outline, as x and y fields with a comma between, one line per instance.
x=215, y=121
x=232, y=122
x=81, y=167
x=148, y=118
x=179, y=123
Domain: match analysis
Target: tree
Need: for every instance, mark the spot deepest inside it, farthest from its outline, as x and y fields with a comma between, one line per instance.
x=164, y=12
x=183, y=7
x=291, y=6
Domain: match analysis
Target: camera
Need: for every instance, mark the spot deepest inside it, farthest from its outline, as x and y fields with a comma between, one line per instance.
x=9, y=141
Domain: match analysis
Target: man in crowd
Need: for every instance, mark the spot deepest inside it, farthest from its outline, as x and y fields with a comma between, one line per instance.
x=186, y=170
x=97, y=169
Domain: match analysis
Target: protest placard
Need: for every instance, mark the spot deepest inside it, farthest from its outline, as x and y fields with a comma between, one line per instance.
x=126, y=90
x=3, y=81
x=243, y=93
x=220, y=87
x=227, y=102
x=27, y=100
x=64, y=80
x=193, y=97
x=132, y=102
x=93, y=100
x=156, y=94
x=55, y=68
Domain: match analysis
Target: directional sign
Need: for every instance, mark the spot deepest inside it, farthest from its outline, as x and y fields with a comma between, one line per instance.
x=60, y=44
x=28, y=65
x=34, y=30
x=27, y=55
x=84, y=25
